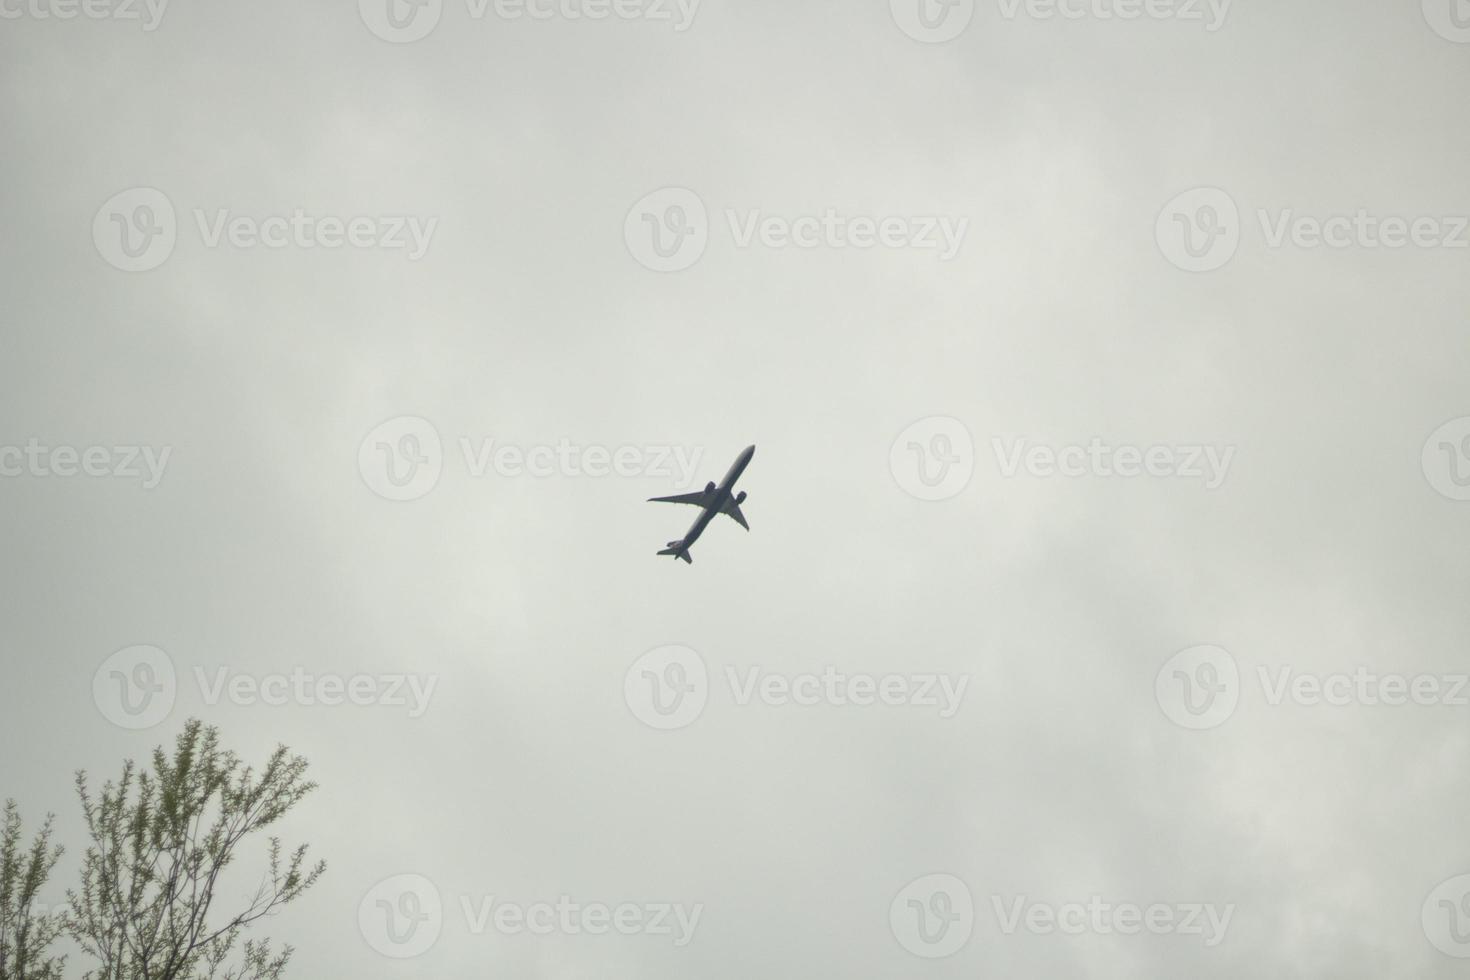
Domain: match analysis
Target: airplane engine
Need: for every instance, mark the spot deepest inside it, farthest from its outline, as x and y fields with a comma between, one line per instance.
x=740, y=498
x=709, y=487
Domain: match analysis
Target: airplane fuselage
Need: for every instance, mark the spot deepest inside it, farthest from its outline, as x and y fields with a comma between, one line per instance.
x=723, y=492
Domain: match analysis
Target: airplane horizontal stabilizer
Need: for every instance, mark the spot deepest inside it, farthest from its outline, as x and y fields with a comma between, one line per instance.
x=678, y=551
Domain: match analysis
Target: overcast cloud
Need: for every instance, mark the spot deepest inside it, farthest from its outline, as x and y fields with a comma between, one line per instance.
x=1103, y=612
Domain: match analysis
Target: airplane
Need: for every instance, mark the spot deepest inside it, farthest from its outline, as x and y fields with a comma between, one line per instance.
x=712, y=500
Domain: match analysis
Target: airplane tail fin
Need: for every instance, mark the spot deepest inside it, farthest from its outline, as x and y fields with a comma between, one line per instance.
x=677, y=549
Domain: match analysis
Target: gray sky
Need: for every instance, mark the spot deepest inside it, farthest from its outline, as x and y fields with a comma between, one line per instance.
x=1157, y=465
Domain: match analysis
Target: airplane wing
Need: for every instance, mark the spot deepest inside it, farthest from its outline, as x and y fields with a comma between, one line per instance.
x=702, y=498
x=733, y=509
x=697, y=498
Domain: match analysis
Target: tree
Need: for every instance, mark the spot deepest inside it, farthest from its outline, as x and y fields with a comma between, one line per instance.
x=160, y=843
x=25, y=932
